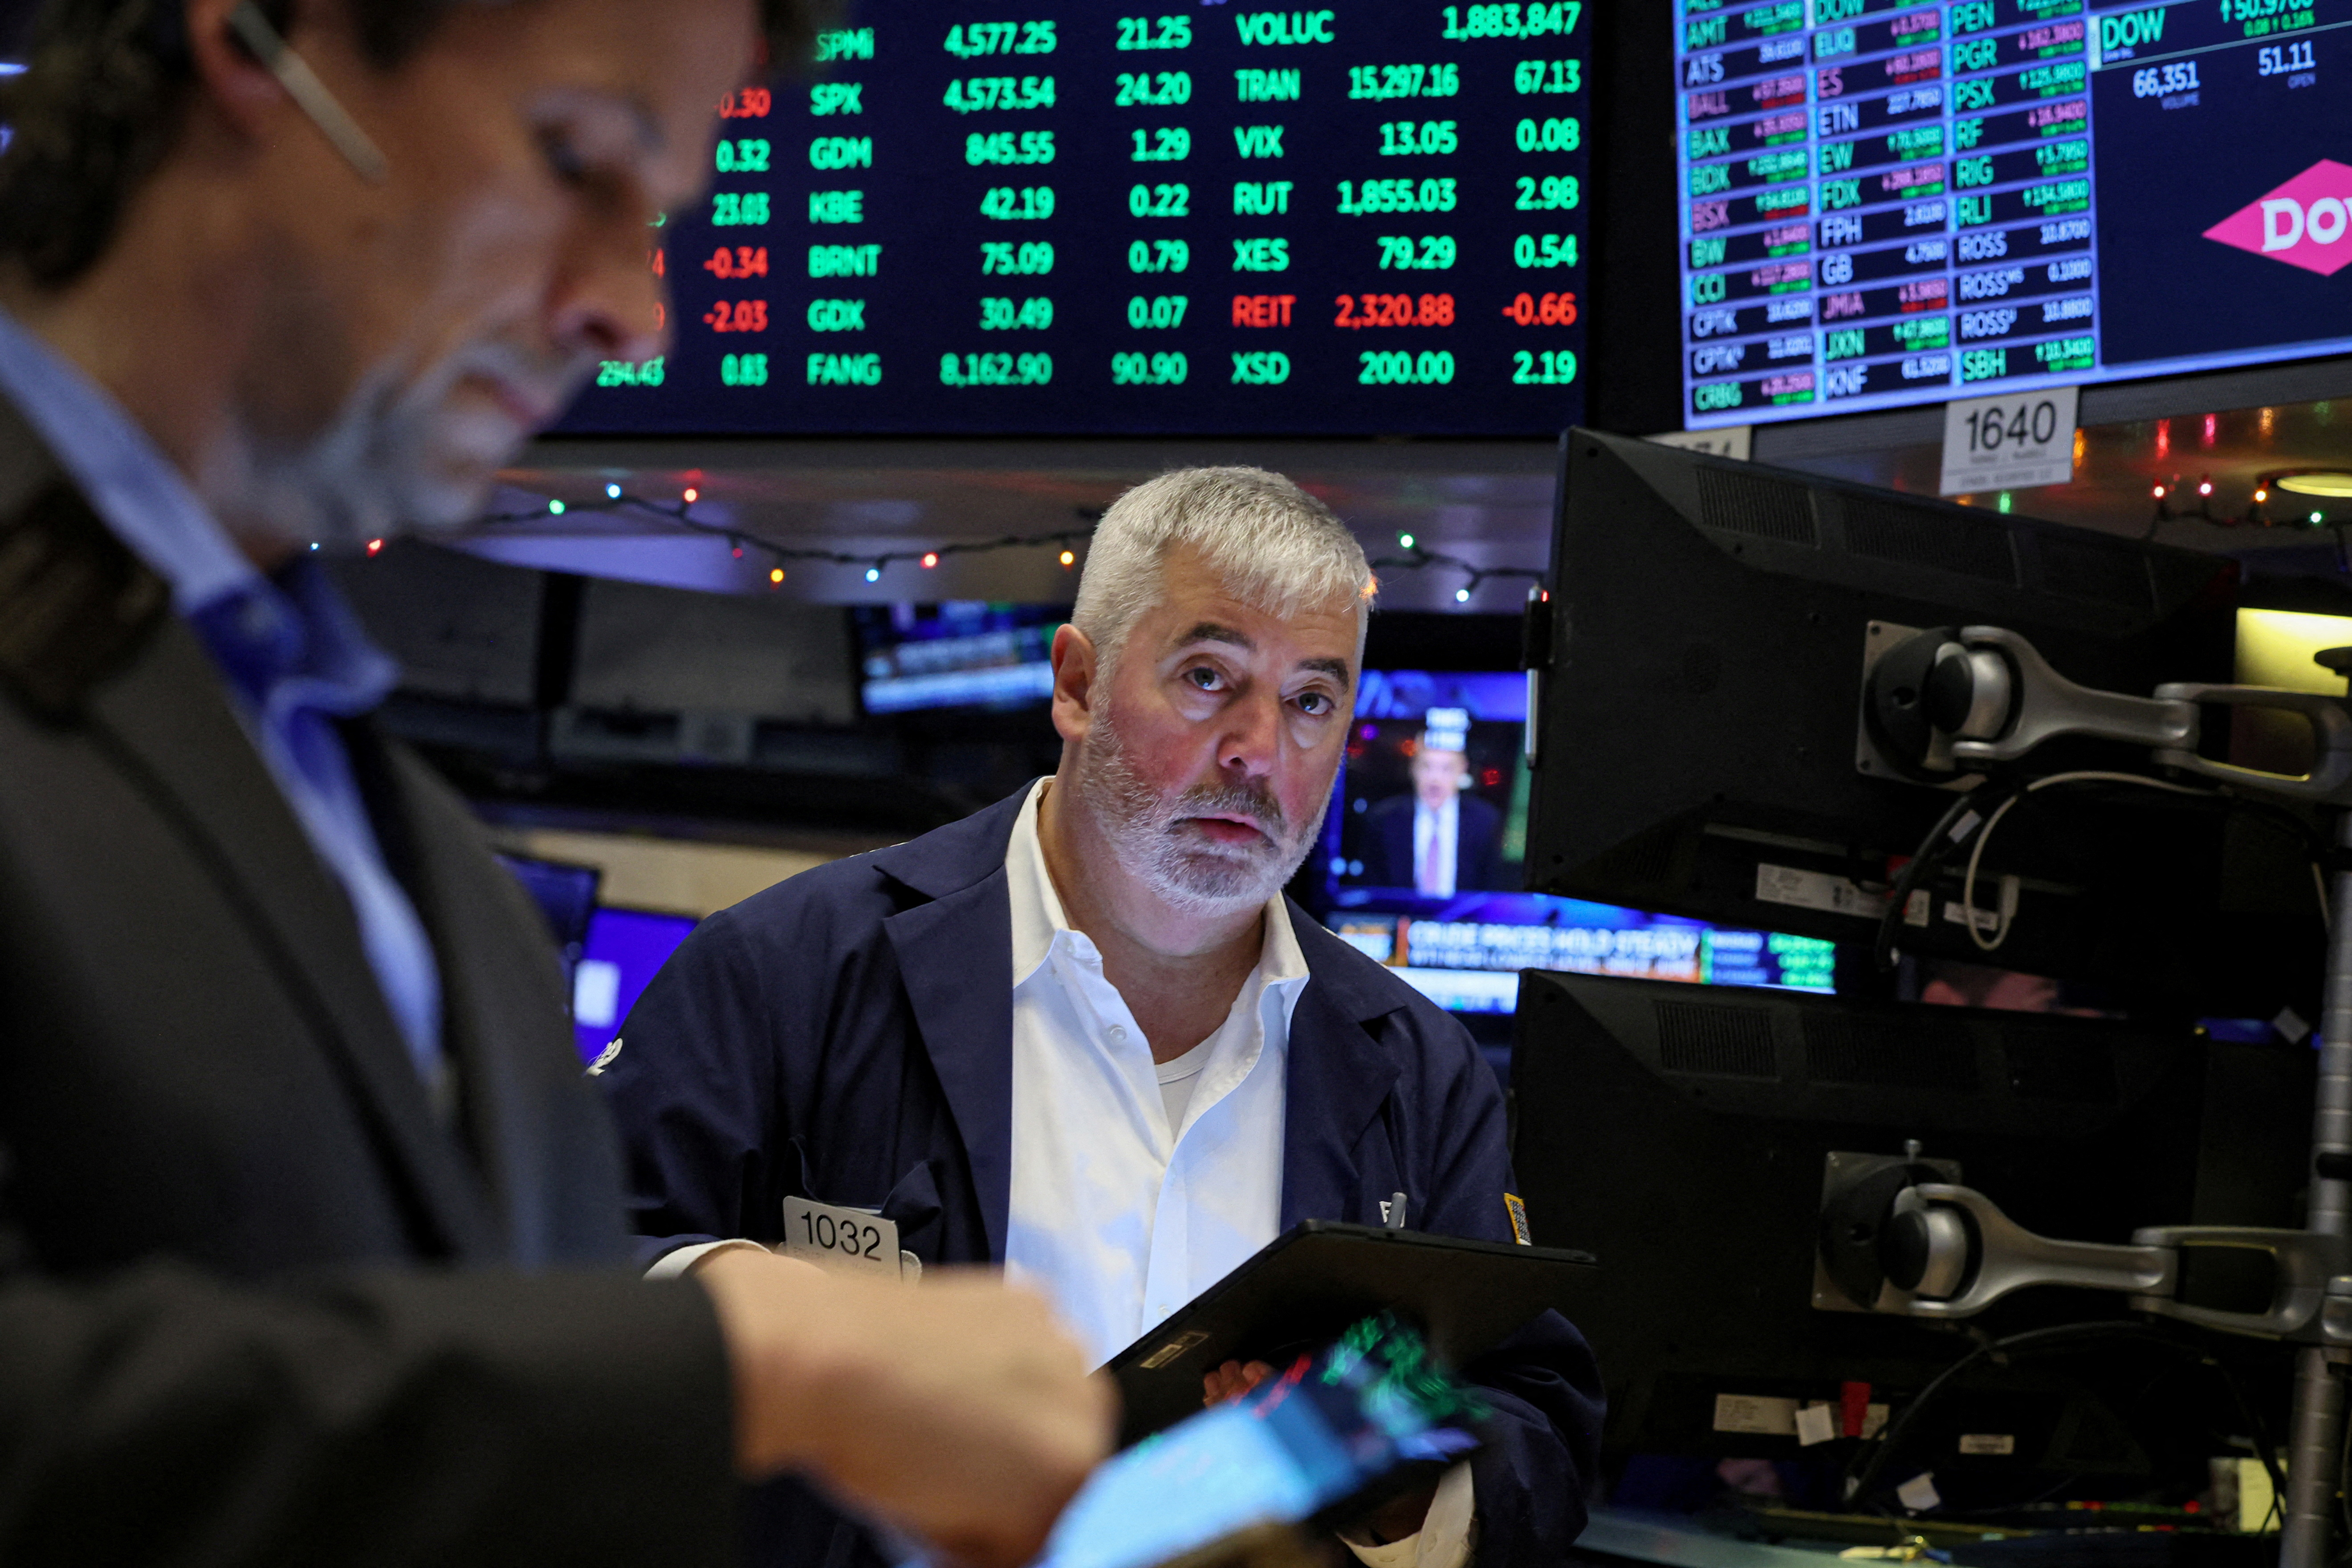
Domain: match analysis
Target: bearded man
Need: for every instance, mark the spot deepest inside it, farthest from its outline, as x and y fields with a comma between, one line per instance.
x=1083, y=1033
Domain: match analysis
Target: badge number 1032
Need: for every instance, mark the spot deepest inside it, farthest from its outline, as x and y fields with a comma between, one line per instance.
x=841, y=1238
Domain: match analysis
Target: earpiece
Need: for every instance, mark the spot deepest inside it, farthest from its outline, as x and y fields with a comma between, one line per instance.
x=310, y=94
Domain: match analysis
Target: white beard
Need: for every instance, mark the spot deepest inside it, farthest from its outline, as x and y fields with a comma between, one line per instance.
x=1187, y=868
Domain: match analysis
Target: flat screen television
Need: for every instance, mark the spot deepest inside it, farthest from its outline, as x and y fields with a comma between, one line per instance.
x=1441, y=903
x=959, y=653
x=565, y=894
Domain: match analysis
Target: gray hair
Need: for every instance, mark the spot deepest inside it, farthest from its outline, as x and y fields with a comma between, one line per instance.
x=1277, y=547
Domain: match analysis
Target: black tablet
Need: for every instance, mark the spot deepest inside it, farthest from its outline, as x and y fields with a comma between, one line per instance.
x=1313, y=1280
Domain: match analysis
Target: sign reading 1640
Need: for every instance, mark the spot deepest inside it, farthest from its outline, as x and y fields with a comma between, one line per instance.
x=2008, y=442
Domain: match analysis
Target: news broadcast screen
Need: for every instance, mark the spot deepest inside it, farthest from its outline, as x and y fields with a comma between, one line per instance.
x=1423, y=855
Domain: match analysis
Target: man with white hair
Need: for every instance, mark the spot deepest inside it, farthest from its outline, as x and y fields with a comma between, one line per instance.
x=1083, y=1033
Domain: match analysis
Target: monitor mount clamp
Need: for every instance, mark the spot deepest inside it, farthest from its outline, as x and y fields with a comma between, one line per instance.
x=1897, y=1237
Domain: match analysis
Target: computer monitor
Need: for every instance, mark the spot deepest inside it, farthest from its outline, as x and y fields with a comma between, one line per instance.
x=625, y=949
x=565, y=894
x=1701, y=747
x=1683, y=1137
x=1423, y=861
x=8, y=68
x=959, y=653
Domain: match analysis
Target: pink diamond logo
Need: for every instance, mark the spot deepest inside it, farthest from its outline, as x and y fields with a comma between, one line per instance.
x=2303, y=223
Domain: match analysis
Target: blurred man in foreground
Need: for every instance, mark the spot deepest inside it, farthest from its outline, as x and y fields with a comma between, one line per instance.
x=311, y=1245
x=1083, y=1033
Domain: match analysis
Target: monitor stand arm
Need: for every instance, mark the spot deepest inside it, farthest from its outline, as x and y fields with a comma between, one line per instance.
x=1958, y=700
x=1948, y=1251
x=1986, y=697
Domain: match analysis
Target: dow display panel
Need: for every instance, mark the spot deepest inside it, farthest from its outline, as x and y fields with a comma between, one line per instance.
x=1366, y=220
x=1886, y=204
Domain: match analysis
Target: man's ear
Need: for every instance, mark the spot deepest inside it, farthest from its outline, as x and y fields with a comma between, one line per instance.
x=1075, y=671
x=239, y=88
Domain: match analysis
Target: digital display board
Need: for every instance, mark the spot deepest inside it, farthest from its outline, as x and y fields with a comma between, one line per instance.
x=1366, y=219
x=1886, y=202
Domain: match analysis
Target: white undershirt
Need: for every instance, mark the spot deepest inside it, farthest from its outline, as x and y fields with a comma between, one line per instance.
x=1176, y=1081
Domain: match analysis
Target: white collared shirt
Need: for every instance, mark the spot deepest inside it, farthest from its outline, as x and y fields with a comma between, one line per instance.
x=1120, y=1214
x=1442, y=824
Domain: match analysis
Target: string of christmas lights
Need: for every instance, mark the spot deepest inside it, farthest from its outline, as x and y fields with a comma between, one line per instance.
x=619, y=501
x=681, y=512
x=1422, y=558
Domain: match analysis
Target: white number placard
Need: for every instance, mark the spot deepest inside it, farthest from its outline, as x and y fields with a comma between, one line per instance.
x=841, y=1238
x=2008, y=442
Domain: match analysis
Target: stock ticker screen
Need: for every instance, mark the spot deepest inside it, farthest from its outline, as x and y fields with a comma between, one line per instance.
x=1887, y=203
x=1364, y=219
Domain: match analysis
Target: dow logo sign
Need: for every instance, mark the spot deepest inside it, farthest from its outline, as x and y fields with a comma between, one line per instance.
x=2303, y=223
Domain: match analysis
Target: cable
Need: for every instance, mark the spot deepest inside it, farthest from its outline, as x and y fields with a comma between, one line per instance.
x=1858, y=1492
x=1984, y=836
x=1928, y=859
x=1422, y=558
x=1954, y=827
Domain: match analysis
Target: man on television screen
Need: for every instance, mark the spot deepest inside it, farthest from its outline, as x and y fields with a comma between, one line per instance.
x=1440, y=839
x=1084, y=1032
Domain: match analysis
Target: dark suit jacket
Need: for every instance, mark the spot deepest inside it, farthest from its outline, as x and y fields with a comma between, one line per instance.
x=1388, y=833
x=847, y=1036
x=257, y=1303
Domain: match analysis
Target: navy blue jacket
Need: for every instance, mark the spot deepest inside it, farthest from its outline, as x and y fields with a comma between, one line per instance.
x=847, y=1036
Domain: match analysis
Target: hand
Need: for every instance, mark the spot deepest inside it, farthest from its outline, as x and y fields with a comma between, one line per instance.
x=1233, y=1380
x=959, y=1412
